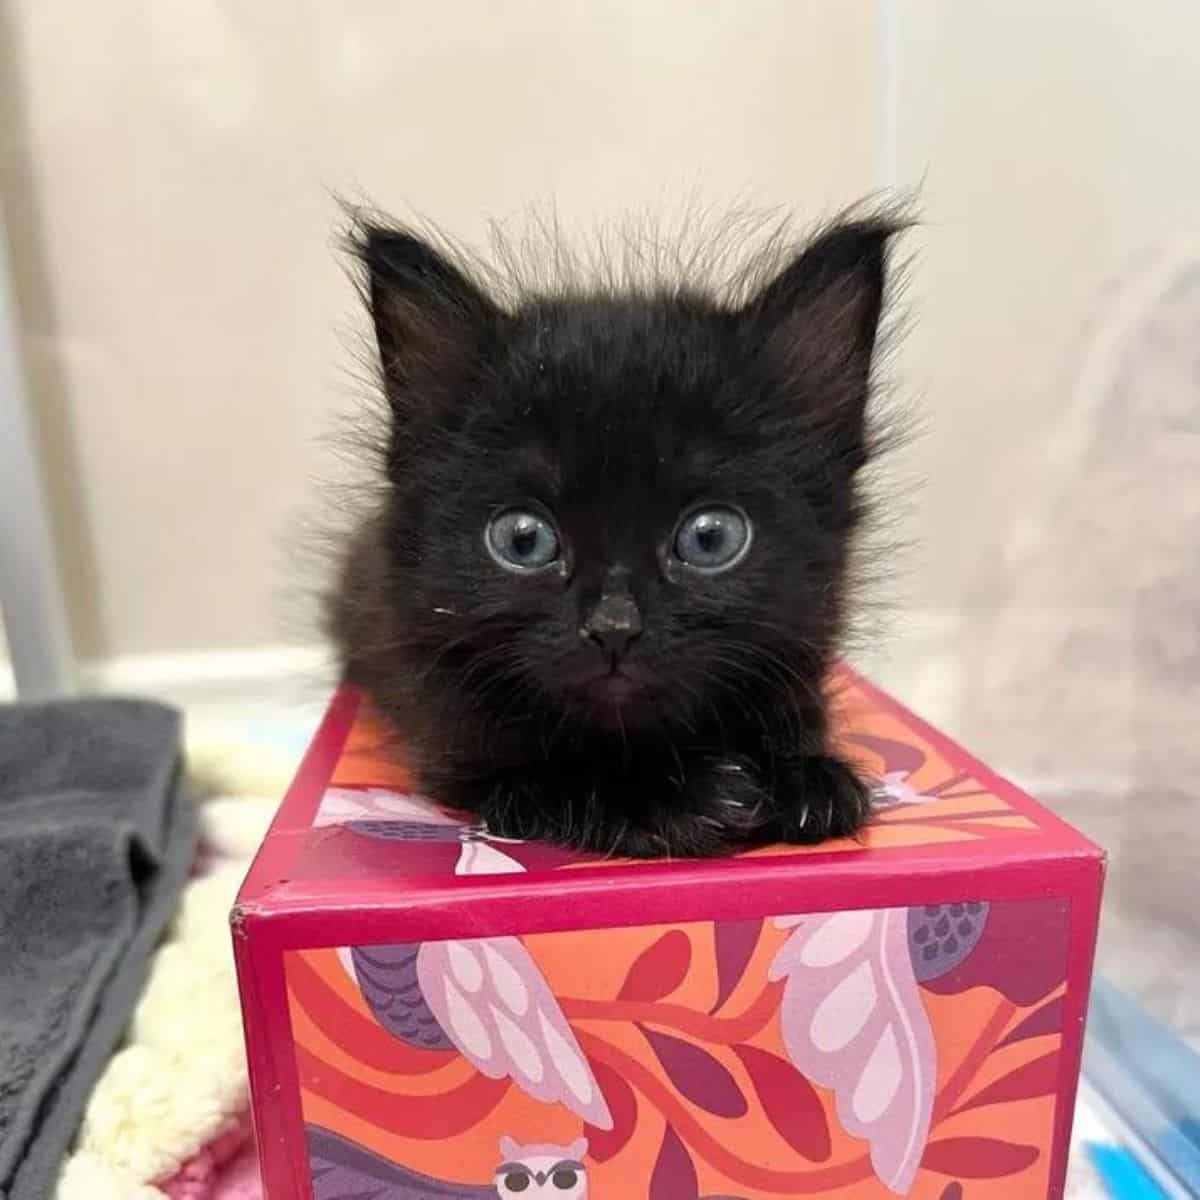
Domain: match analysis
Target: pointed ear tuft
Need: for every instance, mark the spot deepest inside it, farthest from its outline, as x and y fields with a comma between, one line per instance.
x=431, y=319
x=818, y=319
x=838, y=278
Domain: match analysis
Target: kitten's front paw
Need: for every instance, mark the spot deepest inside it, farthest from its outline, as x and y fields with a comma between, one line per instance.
x=513, y=808
x=723, y=806
x=820, y=798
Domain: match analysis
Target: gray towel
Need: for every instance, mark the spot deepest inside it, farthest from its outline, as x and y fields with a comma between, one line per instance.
x=96, y=841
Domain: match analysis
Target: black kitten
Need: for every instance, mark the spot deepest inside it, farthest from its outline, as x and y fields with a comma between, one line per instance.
x=603, y=590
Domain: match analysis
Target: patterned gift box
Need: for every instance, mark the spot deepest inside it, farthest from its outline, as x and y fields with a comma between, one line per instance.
x=434, y=1012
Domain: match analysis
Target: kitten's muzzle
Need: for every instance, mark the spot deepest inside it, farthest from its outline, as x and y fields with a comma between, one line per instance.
x=613, y=623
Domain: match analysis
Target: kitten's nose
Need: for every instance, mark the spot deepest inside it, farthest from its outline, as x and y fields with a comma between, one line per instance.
x=613, y=623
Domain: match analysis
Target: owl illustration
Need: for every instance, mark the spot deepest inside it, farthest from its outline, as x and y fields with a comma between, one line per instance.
x=542, y=1170
x=484, y=997
x=343, y=1170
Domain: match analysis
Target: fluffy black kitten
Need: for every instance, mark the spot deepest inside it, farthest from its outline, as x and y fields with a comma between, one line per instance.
x=606, y=582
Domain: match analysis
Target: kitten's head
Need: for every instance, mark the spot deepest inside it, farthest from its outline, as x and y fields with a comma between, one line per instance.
x=610, y=506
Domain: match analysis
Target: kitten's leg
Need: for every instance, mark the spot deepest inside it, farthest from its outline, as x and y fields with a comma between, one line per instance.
x=516, y=805
x=722, y=803
x=817, y=798
x=727, y=804
x=567, y=809
x=717, y=806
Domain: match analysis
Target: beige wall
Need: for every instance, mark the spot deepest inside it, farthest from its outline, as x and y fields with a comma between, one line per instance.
x=167, y=166
x=1058, y=168
x=1053, y=615
x=167, y=170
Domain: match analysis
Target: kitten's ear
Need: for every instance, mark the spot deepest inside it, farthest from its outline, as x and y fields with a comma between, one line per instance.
x=818, y=320
x=431, y=321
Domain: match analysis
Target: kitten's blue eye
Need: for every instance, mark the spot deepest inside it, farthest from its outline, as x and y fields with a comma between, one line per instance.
x=522, y=541
x=713, y=539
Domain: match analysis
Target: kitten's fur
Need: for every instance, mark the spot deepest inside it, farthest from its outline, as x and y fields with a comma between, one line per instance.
x=614, y=410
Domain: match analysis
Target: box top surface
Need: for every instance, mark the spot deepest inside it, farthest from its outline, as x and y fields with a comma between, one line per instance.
x=353, y=832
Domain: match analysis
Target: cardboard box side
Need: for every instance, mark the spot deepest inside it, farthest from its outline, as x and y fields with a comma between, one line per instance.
x=1085, y=925
x=1012, y=981
x=276, y=913
x=270, y=1054
x=384, y=910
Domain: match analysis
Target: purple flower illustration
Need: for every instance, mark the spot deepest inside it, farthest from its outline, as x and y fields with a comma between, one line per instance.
x=941, y=936
x=1018, y=947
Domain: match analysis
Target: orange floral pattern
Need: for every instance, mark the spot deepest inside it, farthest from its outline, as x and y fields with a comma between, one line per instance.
x=719, y=1068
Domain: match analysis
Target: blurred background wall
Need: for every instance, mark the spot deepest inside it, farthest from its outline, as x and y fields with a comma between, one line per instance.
x=169, y=171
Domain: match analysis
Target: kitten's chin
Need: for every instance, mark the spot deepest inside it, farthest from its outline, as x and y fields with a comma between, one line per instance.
x=617, y=700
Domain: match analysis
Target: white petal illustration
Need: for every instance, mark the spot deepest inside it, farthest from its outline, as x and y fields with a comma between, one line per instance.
x=340, y=805
x=854, y=1022
x=512, y=1025
x=480, y=858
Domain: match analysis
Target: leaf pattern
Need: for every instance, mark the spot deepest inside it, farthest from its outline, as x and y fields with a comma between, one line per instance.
x=734, y=943
x=978, y=1157
x=1047, y=1019
x=674, y=1175
x=659, y=969
x=896, y=756
x=790, y=1102
x=623, y=1108
x=853, y=1021
x=697, y=1075
x=831, y=1039
x=1036, y=1078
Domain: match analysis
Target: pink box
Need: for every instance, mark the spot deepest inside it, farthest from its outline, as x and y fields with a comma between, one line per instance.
x=433, y=1012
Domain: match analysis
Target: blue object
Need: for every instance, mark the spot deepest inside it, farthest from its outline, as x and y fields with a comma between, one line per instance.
x=1123, y=1176
x=1150, y=1079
